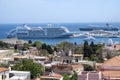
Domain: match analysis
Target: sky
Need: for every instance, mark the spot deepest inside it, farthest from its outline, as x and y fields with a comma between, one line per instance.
x=59, y=11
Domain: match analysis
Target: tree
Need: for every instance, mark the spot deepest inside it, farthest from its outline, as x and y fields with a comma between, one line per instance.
x=55, y=49
x=65, y=45
x=87, y=58
x=44, y=52
x=92, y=45
x=4, y=65
x=48, y=48
x=88, y=67
x=44, y=46
x=28, y=65
x=15, y=47
x=4, y=45
x=74, y=76
x=87, y=49
x=93, y=57
x=29, y=42
x=66, y=77
x=25, y=47
x=78, y=50
x=38, y=45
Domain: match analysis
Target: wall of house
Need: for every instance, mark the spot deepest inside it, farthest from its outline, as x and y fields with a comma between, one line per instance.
x=4, y=75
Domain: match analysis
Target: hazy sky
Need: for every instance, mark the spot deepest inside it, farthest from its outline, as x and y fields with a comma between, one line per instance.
x=58, y=11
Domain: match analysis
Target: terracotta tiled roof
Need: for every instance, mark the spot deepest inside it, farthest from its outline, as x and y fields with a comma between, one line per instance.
x=115, y=61
x=112, y=74
x=53, y=76
x=3, y=69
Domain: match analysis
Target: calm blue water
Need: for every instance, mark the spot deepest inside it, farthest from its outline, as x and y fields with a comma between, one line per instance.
x=4, y=28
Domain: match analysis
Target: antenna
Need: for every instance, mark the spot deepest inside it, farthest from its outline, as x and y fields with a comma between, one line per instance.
x=49, y=25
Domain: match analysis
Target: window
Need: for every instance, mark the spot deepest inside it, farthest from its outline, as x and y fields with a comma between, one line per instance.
x=3, y=77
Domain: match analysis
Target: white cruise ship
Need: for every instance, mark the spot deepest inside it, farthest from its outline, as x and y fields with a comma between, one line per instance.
x=26, y=32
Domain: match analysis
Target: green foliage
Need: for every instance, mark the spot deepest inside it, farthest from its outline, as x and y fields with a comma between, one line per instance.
x=15, y=47
x=93, y=57
x=4, y=65
x=88, y=67
x=66, y=77
x=55, y=49
x=78, y=50
x=87, y=50
x=48, y=48
x=4, y=45
x=44, y=52
x=92, y=51
x=74, y=76
x=37, y=43
x=100, y=60
x=29, y=42
x=43, y=47
x=28, y=65
x=87, y=58
x=65, y=45
x=25, y=47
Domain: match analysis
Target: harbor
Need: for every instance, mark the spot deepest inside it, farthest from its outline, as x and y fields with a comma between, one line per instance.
x=98, y=35
x=59, y=40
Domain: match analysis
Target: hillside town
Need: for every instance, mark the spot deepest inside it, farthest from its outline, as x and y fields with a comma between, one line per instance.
x=27, y=60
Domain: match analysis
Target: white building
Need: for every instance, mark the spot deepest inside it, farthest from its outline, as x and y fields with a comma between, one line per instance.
x=19, y=75
x=7, y=74
x=4, y=73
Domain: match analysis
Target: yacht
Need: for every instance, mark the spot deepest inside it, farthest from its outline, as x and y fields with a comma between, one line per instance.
x=26, y=32
x=89, y=38
x=115, y=35
x=99, y=33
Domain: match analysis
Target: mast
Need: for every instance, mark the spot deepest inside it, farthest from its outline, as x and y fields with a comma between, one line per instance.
x=107, y=24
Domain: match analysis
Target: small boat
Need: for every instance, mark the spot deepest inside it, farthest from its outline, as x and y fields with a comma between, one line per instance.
x=99, y=33
x=115, y=35
x=89, y=38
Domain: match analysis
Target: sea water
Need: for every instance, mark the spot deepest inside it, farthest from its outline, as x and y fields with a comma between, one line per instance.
x=5, y=28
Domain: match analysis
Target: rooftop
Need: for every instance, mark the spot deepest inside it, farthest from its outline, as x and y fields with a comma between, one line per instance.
x=3, y=69
x=89, y=75
x=113, y=74
x=77, y=55
x=52, y=76
x=115, y=61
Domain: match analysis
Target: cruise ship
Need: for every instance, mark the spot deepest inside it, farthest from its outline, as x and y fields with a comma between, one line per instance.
x=26, y=32
x=98, y=27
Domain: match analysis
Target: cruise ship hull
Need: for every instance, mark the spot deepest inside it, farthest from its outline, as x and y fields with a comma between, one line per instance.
x=41, y=37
